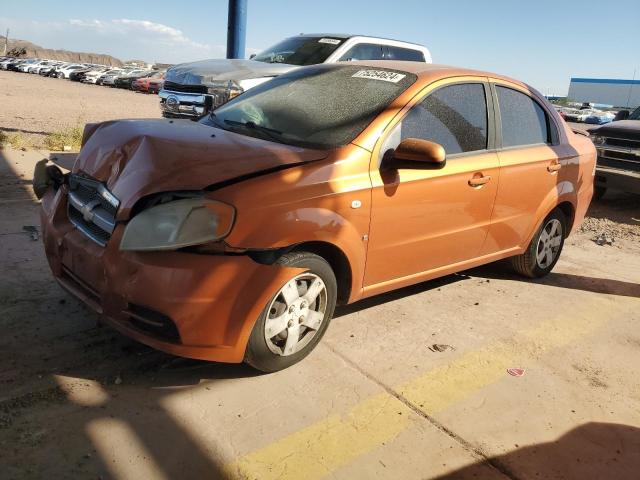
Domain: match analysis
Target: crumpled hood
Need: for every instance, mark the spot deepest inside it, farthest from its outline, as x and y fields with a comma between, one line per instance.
x=206, y=72
x=625, y=128
x=136, y=158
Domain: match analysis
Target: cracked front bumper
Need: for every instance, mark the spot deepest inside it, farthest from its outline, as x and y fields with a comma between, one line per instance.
x=212, y=301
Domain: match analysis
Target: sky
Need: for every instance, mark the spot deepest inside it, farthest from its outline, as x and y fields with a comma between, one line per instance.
x=543, y=43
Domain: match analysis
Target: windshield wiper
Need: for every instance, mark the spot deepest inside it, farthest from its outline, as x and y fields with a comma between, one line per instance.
x=271, y=132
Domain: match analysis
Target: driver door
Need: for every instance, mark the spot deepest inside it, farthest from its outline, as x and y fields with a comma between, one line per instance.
x=425, y=220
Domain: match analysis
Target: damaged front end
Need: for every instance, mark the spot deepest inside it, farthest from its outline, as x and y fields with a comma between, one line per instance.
x=134, y=233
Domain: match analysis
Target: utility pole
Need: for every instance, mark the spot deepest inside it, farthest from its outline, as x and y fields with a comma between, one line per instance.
x=236, y=28
x=6, y=43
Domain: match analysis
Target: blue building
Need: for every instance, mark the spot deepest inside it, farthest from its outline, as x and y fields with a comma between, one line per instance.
x=619, y=93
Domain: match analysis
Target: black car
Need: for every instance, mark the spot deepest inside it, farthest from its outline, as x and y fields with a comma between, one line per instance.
x=78, y=75
x=13, y=66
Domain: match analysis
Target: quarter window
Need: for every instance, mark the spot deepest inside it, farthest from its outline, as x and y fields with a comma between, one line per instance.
x=453, y=116
x=363, y=51
x=524, y=122
x=408, y=54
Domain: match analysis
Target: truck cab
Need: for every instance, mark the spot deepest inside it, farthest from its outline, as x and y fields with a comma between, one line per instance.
x=192, y=90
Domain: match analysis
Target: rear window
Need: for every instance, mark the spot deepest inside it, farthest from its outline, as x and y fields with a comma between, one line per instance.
x=407, y=54
x=524, y=122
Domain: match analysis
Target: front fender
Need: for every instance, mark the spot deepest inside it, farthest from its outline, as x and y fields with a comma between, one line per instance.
x=309, y=224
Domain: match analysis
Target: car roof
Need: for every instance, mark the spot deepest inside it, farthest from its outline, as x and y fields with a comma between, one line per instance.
x=346, y=36
x=431, y=71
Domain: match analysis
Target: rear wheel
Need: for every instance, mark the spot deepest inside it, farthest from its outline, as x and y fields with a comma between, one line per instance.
x=544, y=250
x=296, y=318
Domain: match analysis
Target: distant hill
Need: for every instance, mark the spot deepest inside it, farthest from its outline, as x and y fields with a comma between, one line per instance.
x=25, y=49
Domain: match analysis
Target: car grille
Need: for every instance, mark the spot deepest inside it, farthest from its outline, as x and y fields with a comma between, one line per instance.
x=177, y=87
x=92, y=208
x=623, y=142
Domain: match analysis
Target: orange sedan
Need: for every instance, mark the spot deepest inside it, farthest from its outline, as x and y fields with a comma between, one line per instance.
x=233, y=239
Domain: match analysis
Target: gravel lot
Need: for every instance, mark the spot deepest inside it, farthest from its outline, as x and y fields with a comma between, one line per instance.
x=375, y=400
x=35, y=105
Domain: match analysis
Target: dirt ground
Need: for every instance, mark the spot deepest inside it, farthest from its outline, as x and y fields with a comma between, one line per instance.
x=35, y=105
x=411, y=384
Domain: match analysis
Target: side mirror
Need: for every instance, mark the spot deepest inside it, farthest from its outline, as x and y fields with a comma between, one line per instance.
x=621, y=115
x=252, y=56
x=418, y=153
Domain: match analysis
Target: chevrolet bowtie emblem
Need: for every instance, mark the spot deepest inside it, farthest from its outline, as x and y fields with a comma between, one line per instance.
x=87, y=210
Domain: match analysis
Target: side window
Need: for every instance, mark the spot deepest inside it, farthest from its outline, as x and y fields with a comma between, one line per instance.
x=398, y=53
x=524, y=122
x=453, y=116
x=363, y=51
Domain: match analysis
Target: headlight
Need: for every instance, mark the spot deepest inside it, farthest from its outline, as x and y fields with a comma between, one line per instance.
x=178, y=224
x=598, y=139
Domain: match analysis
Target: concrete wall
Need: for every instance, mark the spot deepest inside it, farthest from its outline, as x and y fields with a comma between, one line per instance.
x=607, y=91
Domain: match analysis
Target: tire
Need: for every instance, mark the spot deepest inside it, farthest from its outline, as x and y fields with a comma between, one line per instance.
x=529, y=264
x=598, y=192
x=269, y=354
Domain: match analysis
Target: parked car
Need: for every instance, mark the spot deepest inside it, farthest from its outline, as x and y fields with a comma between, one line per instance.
x=233, y=238
x=5, y=63
x=109, y=78
x=125, y=81
x=66, y=70
x=142, y=84
x=50, y=70
x=155, y=85
x=94, y=74
x=191, y=90
x=100, y=77
x=26, y=64
x=600, y=118
x=618, y=146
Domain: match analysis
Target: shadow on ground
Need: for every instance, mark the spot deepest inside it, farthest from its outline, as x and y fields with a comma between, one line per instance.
x=593, y=451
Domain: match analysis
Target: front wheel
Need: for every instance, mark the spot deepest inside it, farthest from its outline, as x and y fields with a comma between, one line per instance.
x=296, y=318
x=544, y=250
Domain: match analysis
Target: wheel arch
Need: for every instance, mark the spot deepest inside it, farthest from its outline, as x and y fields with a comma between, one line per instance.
x=569, y=211
x=333, y=254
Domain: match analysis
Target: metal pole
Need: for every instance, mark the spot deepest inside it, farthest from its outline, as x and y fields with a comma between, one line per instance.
x=631, y=88
x=236, y=28
x=6, y=43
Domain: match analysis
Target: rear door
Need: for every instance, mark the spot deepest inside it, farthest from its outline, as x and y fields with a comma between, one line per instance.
x=425, y=219
x=531, y=161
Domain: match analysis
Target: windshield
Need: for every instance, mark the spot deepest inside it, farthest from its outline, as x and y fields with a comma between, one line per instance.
x=317, y=107
x=635, y=115
x=300, y=50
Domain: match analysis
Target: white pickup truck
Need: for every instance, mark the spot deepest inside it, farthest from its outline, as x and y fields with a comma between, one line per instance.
x=191, y=90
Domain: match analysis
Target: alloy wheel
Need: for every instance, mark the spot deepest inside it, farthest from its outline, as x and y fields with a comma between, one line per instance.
x=549, y=243
x=296, y=314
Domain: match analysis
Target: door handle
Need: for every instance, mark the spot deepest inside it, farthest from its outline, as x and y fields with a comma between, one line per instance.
x=479, y=181
x=554, y=167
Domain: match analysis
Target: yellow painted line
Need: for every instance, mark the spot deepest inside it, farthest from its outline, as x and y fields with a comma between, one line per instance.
x=321, y=448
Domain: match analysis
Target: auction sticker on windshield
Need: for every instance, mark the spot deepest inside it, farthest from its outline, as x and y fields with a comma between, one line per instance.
x=383, y=75
x=332, y=41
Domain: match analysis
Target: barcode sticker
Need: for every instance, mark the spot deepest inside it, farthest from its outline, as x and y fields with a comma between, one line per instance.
x=383, y=75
